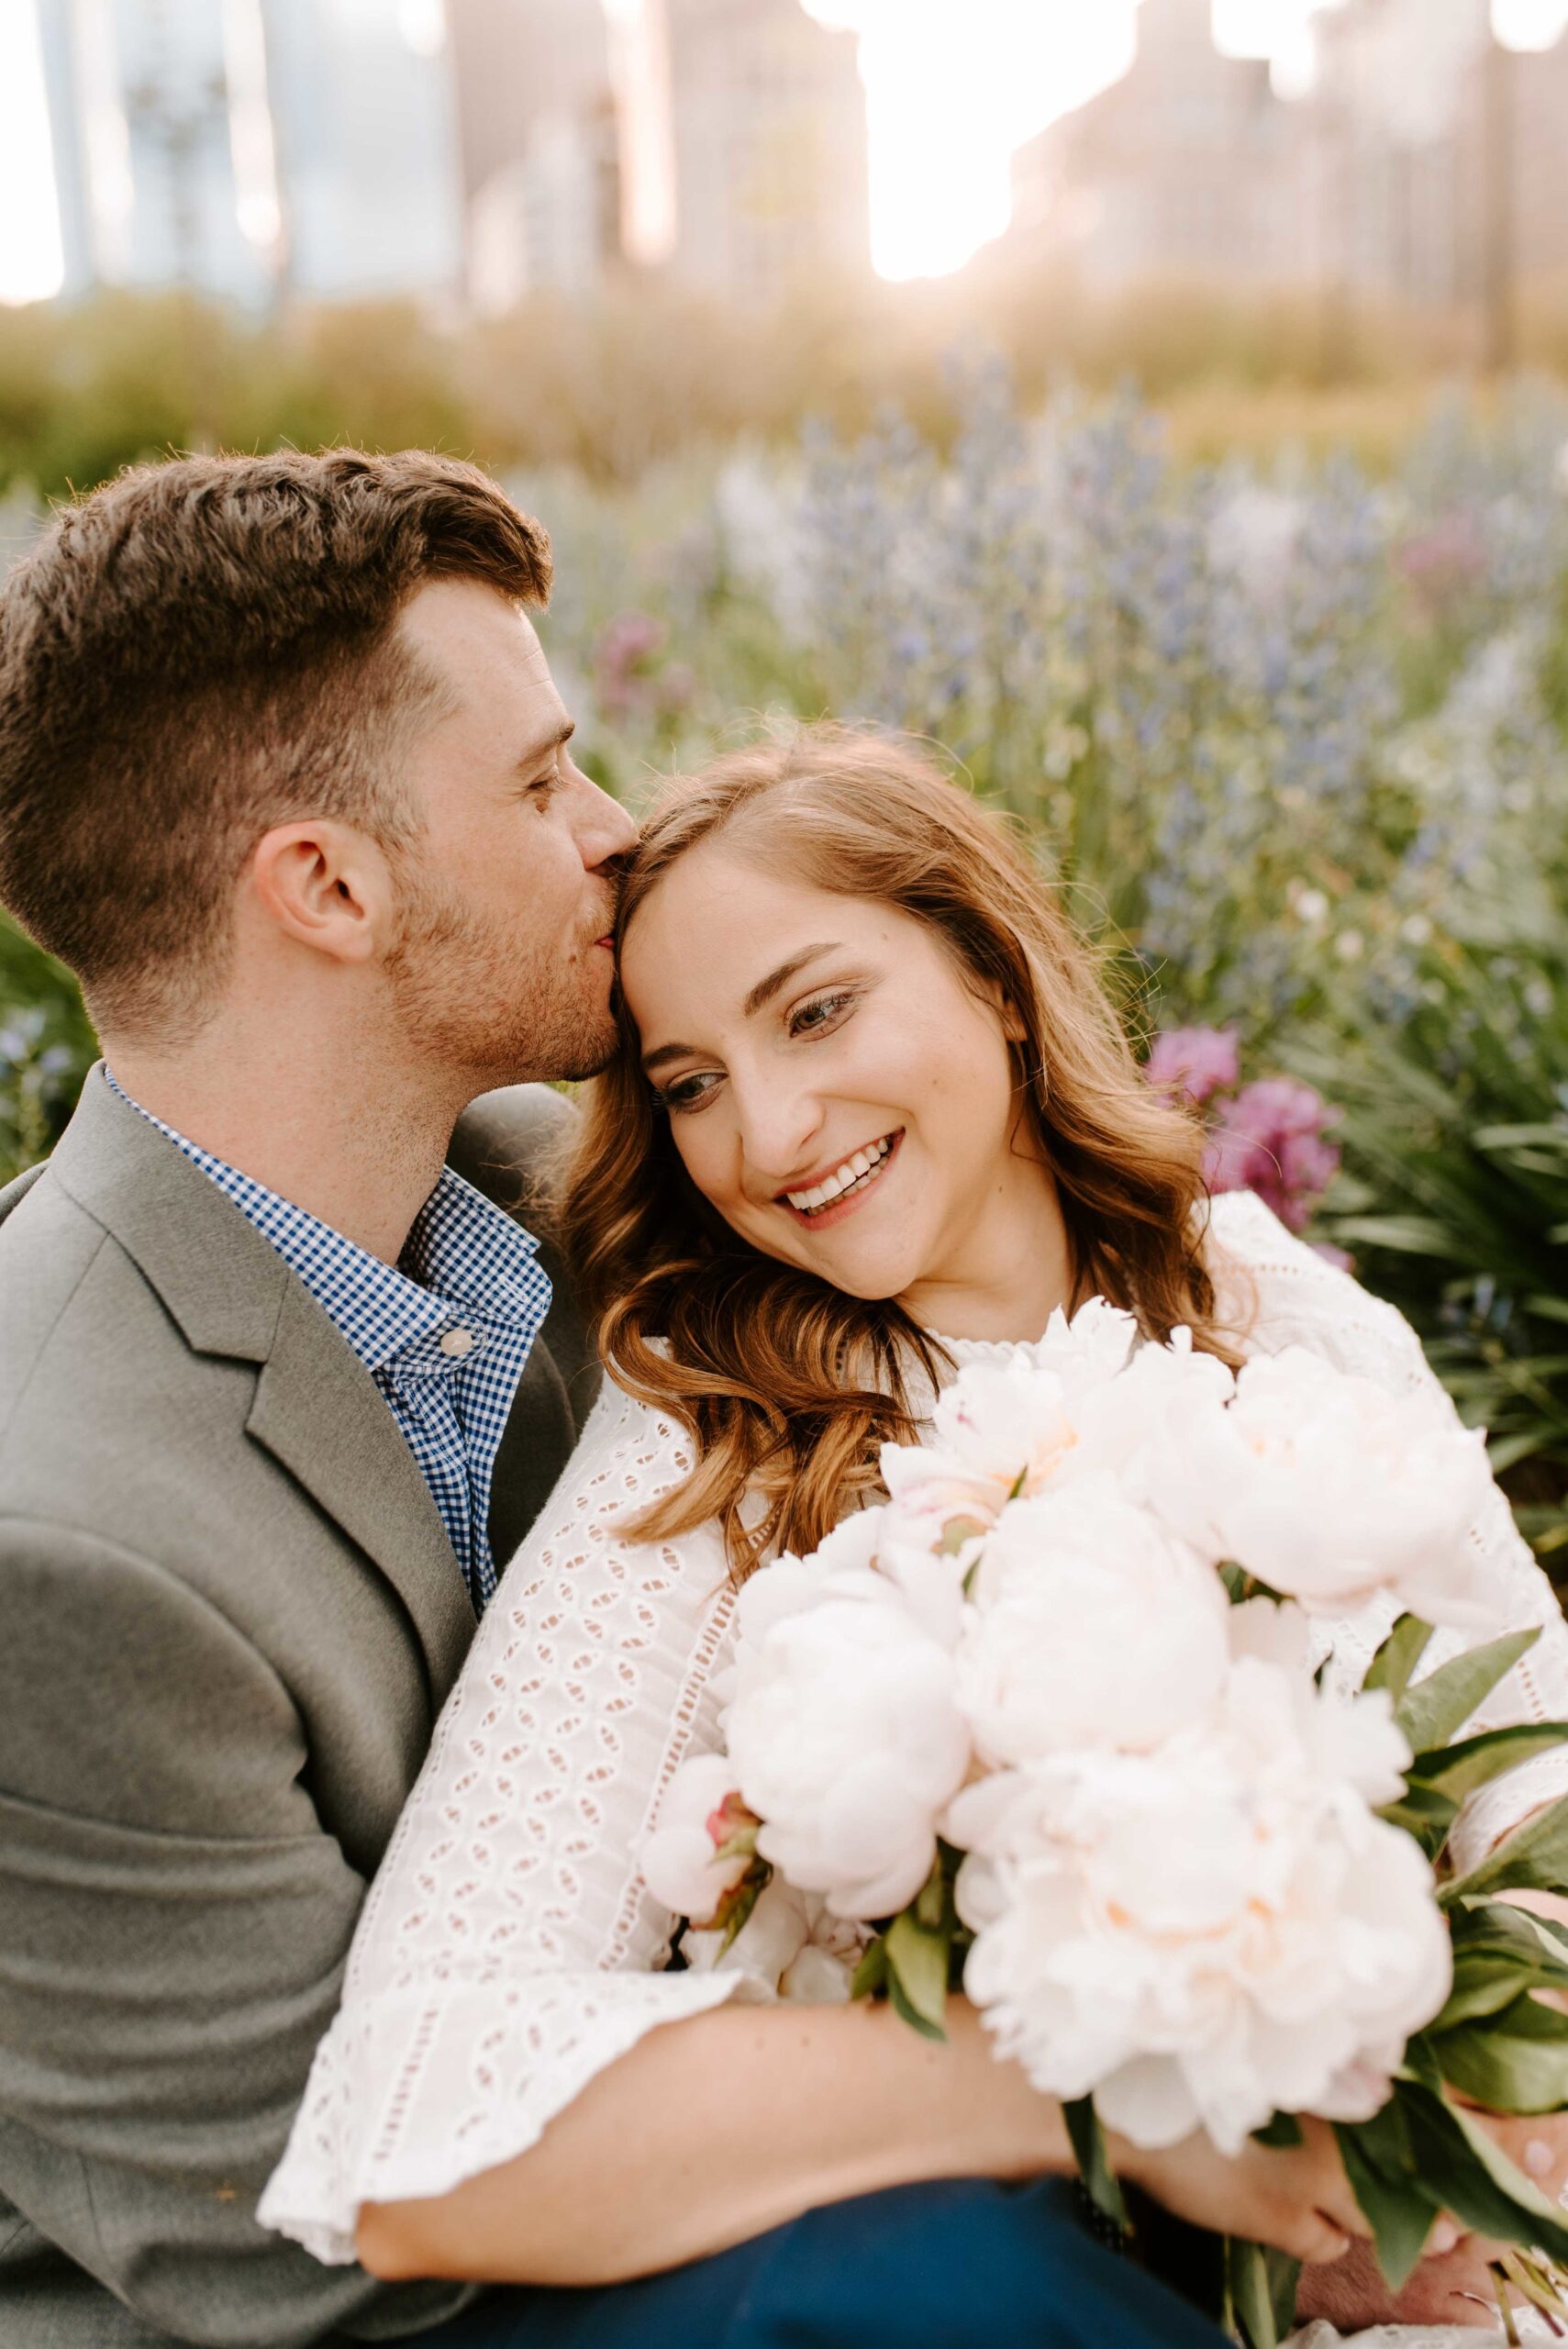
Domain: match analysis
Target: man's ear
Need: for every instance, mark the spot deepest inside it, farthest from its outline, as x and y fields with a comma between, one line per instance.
x=324, y=885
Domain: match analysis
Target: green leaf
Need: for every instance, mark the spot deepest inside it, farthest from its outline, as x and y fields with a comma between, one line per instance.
x=1430, y=1712
x=1499, y=1952
x=1381, y=2165
x=1398, y=1657
x=870, y=1975
x=931, y=1900
x=1088, y=2141
x=1458, y=1770
x=1515, y=2061
x=917, y=1967
x=1463, y=2170
x=737, y=1905
x=1282, y=2133
x=1534, y=1858
x=1425, y=1813
x=1284, y=2279
x=1259, y=2284
x=911, y=2015
x=1408, y=1235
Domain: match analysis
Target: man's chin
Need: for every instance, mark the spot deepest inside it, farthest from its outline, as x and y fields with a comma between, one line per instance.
x=564, y=1060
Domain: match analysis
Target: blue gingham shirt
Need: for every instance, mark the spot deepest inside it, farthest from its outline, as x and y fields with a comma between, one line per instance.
x=444, y=1333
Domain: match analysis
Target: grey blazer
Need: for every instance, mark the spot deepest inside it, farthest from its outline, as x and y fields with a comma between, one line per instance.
x=229, y=1617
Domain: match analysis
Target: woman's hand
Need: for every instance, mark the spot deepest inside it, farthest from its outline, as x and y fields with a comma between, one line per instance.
x=1296, y=2198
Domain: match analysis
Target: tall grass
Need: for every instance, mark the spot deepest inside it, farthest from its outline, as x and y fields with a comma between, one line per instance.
x=644, y=371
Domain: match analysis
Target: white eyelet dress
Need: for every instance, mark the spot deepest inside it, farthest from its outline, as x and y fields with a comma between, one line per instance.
x=508, y=1951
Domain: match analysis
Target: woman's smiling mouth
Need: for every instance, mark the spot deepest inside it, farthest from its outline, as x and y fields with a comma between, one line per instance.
x=836, y=1192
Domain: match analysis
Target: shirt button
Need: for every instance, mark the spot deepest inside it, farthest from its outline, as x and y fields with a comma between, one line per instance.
x=456, y=1342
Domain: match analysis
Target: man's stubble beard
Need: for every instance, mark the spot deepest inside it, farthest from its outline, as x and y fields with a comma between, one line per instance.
x=472, y=1001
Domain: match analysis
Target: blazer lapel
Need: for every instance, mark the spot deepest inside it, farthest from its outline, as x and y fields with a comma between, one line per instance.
x=322, y=1417
x=317, y=1410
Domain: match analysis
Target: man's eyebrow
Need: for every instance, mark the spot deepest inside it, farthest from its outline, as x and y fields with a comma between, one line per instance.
x=761, y=995
x=562, y=733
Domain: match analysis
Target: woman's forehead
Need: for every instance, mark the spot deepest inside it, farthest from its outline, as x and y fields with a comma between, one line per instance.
x=715, y=929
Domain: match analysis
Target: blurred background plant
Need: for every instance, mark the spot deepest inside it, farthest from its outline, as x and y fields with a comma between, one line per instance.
x=1289, y=723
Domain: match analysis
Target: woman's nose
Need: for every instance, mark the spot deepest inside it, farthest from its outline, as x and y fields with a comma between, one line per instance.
x=779, y=1126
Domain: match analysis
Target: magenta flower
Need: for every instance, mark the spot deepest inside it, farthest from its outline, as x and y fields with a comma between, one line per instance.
x=1271, y=1140
x=623, y=663
x=1197, y=1060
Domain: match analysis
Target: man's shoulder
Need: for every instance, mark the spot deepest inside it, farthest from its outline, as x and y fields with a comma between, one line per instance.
x=49, y=1247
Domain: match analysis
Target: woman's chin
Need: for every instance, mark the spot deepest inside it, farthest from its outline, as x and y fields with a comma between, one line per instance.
x=872, y=1274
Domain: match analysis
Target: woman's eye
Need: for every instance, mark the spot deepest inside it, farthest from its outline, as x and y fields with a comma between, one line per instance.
x=542, y=790
x=822, y=1012
x=686, y=1093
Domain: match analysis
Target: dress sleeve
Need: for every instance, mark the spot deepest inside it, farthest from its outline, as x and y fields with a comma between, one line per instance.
x=509, y=1950
x=1292, y=1296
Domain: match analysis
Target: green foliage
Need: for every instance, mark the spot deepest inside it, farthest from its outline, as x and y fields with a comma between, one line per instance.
x=46, y=1047
x=1454, y=1198
x=1296, y=741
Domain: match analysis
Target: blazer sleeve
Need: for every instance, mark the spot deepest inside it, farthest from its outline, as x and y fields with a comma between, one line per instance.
x=174, y=1922
x=510, y=1951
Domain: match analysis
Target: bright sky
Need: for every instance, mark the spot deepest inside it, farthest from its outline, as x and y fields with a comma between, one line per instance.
x=953, y=86
x=29, y=226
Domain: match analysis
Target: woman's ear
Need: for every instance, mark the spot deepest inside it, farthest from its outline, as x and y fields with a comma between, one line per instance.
x=1013, y=1027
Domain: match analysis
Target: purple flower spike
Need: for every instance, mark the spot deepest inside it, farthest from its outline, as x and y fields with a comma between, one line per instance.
x=1197, y=1061
x=1271, y=1139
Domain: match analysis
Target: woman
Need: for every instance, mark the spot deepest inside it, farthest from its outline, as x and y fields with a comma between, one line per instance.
x=872, y=1113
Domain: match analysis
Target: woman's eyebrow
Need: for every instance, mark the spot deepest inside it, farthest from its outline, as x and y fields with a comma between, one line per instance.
x=765, y=989
x=761, y=995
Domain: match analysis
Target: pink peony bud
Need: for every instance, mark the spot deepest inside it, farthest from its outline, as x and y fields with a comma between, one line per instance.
x=1196, y=1061
x=1270, y=1140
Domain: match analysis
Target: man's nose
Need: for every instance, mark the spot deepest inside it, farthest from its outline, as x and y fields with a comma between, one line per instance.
x=603, y=828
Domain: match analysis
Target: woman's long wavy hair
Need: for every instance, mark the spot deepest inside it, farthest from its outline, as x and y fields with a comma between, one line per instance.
x=788, y=1386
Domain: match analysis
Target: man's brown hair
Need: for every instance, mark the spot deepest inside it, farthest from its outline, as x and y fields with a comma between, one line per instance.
x=203, y=649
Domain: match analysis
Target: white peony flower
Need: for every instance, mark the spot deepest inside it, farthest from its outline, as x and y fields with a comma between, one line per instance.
x=788, y=1585
x=1091, y=1347
x=1214, y=1931
x=1089, y=1625
x=1085, y=1401
x=680, y=1855
x=790, y=1944
x=845, y=1736
x=1329, y=1490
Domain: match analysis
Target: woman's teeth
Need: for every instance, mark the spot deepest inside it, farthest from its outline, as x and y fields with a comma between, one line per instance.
x=852, y=1175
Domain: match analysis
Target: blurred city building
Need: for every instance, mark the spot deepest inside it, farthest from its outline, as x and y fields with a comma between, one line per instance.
x=246, y=148
x=364, y=123
x=1190, y=165
x=769, y=141
x=1428, y=167
x=1446, y=154
x=163, y=149
x=540, y=145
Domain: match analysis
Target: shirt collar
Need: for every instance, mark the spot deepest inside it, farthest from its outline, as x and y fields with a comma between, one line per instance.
x=462, y=1251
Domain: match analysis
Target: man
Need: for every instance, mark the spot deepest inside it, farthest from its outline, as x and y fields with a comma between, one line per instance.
x=284, y=776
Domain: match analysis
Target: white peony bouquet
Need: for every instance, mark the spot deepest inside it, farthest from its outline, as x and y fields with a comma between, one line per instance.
x=1051, y=1724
